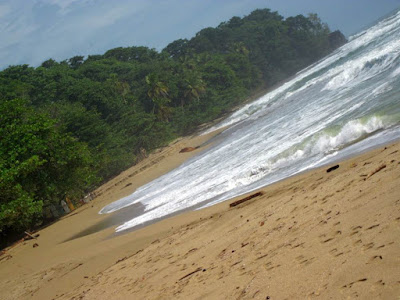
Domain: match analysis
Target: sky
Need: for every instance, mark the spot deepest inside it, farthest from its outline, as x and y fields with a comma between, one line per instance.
x=32, y=31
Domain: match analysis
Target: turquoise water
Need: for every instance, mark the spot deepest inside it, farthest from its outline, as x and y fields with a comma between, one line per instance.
x=344, y=104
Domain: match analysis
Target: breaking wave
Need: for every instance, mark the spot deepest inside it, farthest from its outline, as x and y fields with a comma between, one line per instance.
x=344, y=104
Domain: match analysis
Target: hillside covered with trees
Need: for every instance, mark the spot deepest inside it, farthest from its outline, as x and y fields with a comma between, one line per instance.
x=66, y=127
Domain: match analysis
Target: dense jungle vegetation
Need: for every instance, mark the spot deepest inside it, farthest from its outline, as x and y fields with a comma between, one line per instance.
x=66, y=127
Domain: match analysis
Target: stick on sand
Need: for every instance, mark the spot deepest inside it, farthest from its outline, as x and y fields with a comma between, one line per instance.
x=30, y=235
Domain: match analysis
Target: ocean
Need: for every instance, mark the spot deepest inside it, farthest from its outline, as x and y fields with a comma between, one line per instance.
x=344, y=104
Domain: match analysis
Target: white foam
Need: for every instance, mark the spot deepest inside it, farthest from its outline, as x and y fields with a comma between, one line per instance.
x=322, y=145
x=381, y=89
x=353, y=130
x=339, y=76
x=396, y=72
x=302, y=123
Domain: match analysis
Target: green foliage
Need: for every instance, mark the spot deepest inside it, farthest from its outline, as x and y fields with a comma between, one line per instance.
x=82, y=121
x=38, y=164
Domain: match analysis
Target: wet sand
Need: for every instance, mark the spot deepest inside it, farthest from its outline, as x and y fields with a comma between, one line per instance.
x=316, y=235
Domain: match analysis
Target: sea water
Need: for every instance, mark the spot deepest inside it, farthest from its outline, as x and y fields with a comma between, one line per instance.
x=346, y=103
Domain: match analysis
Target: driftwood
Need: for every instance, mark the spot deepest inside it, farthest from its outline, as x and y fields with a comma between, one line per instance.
x=191, y=273
x=233, y=204
x=129, y=256
x=31, y=236
x=122, y=259
x=188, y=149
x=376, y=171
x=6, y=257
x=332, y=168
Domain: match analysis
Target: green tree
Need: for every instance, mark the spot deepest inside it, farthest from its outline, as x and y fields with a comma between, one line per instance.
x=194, y=88
x=158, y=93
x=79, y=120
x=76, y=61
x=38, y=165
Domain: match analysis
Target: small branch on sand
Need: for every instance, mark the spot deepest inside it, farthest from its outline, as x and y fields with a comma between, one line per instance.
x=191, y=273
x=233, y=204
x=30, y=235
x=332, y=168
x=376, y=171
x=6, y=257
x=122, y=259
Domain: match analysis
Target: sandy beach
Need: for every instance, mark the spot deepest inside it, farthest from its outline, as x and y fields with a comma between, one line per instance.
x=316, y=235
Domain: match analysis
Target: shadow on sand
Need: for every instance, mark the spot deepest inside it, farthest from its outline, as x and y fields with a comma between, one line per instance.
x=114, y=219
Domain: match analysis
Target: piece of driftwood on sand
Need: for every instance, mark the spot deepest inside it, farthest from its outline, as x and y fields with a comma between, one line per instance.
x=233, y=204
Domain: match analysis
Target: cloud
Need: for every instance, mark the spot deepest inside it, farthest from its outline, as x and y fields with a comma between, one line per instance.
x=64, y=5
x=61, y=3
x=108, y=14
x=4, y=10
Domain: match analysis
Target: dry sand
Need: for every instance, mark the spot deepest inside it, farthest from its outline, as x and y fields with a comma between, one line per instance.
x=316, y=235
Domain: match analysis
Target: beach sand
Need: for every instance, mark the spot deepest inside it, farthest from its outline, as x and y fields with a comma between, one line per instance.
x=315, y=235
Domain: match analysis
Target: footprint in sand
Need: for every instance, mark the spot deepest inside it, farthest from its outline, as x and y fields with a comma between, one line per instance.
x=380, y=283
x=375, y=258
x=368, y=246
x=373, y=226
x=350, y=285
x=302, y=260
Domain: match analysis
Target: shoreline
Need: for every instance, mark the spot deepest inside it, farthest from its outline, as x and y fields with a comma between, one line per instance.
x=63, y=268
x=341, y=158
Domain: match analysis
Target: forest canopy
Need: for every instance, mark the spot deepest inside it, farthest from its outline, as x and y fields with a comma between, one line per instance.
x=68, y=126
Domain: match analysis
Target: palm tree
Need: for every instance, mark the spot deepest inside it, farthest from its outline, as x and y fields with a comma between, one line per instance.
x=194, y=89
x=158, y=93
